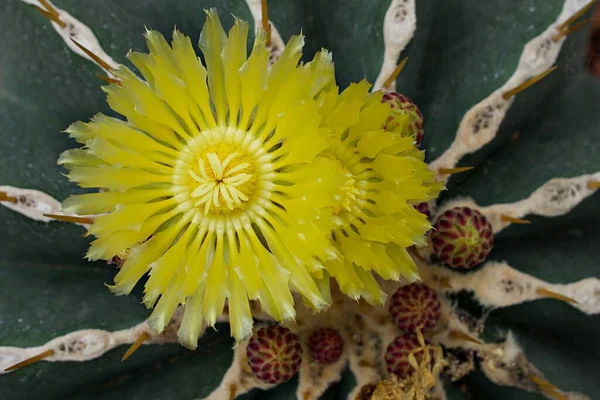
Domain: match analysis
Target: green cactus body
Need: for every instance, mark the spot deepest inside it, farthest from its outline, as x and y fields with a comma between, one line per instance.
x=528, y=313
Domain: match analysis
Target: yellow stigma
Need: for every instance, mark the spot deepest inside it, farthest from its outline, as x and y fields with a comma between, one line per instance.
x=220, y=184
x=223, y=174
x=348, y=195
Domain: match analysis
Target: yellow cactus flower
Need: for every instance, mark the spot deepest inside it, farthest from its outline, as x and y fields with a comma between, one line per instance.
x=238, y=181
x=375, y=220
x=215, y=190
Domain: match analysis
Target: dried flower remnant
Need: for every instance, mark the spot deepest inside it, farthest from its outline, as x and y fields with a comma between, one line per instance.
x=415, y=365
x=396, y=354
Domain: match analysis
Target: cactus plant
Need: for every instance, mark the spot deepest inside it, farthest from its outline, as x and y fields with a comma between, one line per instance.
x=460, y=53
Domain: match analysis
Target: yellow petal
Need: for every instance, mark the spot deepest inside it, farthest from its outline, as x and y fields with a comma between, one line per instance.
x=121, y=134
x=344, y=115
x=386, y=228
x=392, y=168
x=146, y=102
x=389, y=202
x=107, y=247
x=114, y=178
x=234, y=56
x=253, y=78
x=97, y=203
x=164, y=269
x=284, y=87
x=140, y=257
x=409, y=189
x=118, y=157
x=79, y=157
x=197, y=262
x=300, y=278
x=355, y=92
x=212, y=42
x=275, y=282
x=372, y=293
x=371, y=143
x=194, y=74
x=286, y=62
x=346, y=277
x=247, y=264
x=216, y=291
x=193, y=320
x=168, y=83
x=404, y=261
x=127, y=217
x=140, y=60
x=240, y=316
x=321, y=72
x=371, y=118
x=164, y=310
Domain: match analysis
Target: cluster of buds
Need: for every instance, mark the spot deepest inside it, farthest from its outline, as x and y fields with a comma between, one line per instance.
x=412, y=307
x=274, y=353
x=462, y=238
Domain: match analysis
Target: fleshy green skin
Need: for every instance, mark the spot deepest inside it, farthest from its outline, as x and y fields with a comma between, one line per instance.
x=462, y=51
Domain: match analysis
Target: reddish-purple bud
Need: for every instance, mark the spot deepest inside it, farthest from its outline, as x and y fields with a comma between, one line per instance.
x=462, y=237
x=396, y=355
x=406, y=117
x=325, y=345
x=274, y=354
x=415, y=306
x=423, y=208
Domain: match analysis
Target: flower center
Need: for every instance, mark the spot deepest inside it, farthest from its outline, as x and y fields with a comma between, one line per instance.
x=348, y=195
x=219, y=173
x=220, y=183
